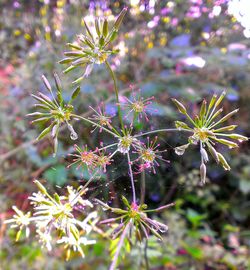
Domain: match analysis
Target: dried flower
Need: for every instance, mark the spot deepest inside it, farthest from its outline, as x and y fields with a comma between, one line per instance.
x=55, y=110
x=93, y=47
x=207, y=131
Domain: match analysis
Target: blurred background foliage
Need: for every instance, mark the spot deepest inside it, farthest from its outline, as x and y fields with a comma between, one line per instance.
x=186, y=49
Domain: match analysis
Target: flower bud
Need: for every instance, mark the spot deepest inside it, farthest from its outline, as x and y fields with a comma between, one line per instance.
x=180, y=106
x=203, y=171
x=238, y=137
x=120, y=18
x=223, y=162
x=181, y=125
x=41, y=188
x=204, y=154
x=46, y=83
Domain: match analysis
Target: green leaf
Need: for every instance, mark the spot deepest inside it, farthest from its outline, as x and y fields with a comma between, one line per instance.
x=56, y=175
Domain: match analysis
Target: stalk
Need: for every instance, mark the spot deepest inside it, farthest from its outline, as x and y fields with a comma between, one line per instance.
x=116, y=93
x=132, y=179
x=95, y=124
x=163, y=130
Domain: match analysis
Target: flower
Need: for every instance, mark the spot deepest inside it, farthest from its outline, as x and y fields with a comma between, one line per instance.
x=101, y=118
x=207, y=131
x=55, y=110
x=126, y=141
x=148, y=155
x=137, y=105
x=84, y=157
x=57, y=214
x=91, y=160
x=20, y=220
x=75, y=244
x=93, y=46
x=136, y=215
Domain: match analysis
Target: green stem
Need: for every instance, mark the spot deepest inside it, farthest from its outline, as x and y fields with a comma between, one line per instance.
x=95, y=124
x=163, y=130
x=116, y=93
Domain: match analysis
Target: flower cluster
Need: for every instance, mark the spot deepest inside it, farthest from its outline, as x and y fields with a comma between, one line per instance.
x=55, y=110
x=56, y=213
x=207, y=130
x=91, y=160
x=93, y=46
x=136, y=216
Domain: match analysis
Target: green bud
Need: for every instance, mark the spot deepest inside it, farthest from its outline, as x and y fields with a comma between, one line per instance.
x=70, y=68
x=125, y=201
x=66, y=60
x=227, y=128
x=119, y=19
x=213, y=152
x=113, y=36
x=101, y=41
x=57, y=198
x=217, y=103
x=88, y=30
x=75, y=94
x=41, y=187
x=203, y=109
x=97, y=27
x=74, y=46
x=44, y=132
x=78, y=80
x=18, y=235
x=238, y=137
x=226, y=142
x=216, y=114
x=180, y=106
x=212, y=101
x=74, y=53
x=80, y=61
x=105, y=28
x=181, y=125
x=223, y=119
x=223, y=162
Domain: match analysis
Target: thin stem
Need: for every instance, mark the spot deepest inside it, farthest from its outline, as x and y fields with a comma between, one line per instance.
x=122, y=238
x=107, y=146
x=95, y=124
x=143, y=187
x=131, y=178
x=83, y=188
x=146, y=255
x=116, y=93
x=163, y=130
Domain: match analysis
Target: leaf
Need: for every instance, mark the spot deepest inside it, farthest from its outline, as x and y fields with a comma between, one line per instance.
x=56, y=175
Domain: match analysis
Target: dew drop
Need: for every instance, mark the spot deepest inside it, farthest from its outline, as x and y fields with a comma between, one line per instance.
x=73, y=136
x=179, y=151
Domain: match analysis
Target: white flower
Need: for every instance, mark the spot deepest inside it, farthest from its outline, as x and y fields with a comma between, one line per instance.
x=20, y=220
